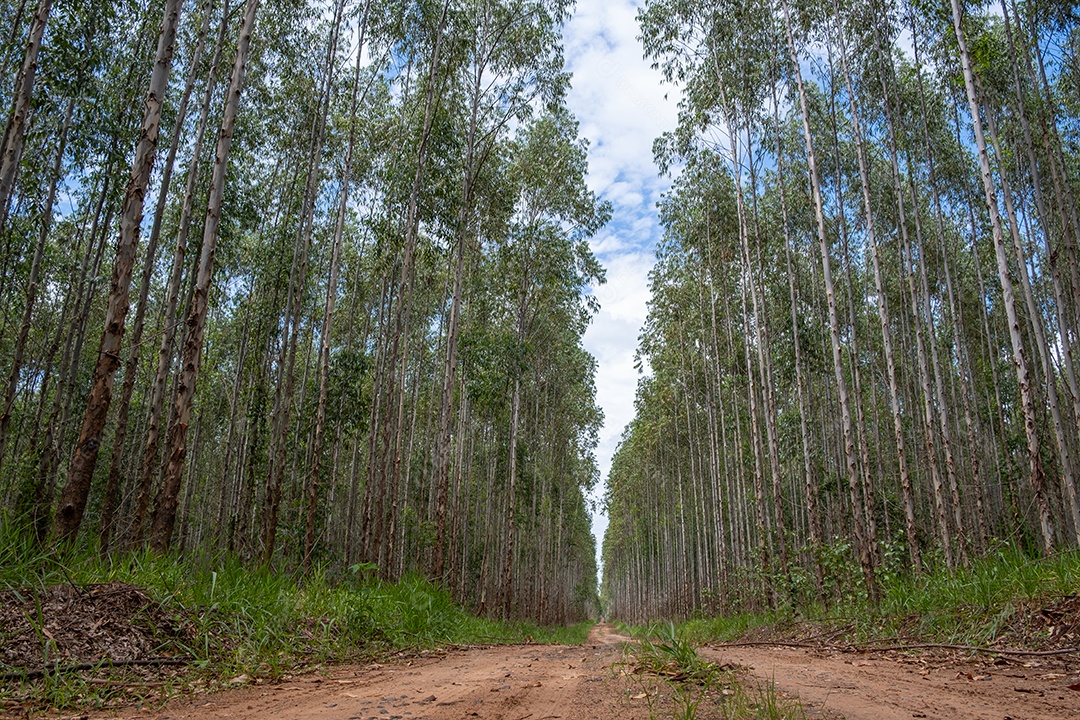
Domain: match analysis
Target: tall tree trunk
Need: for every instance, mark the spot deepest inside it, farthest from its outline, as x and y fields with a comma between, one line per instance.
x=906, y=497
x=172, y=298
x=74, y=496
x=112, y=484
x=328, y=312
x=397, y=360
x=1050, y=254
x=32, y=283
x=861, y=542
x=295, y=304
x=1036, y=474
x=1036, y=322
x=907, y=254
x=15, y=132
x=809, y=483
x=165, y=517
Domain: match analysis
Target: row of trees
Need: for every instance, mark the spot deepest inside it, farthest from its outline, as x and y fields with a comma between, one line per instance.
x=347, y=244
x=866, y=306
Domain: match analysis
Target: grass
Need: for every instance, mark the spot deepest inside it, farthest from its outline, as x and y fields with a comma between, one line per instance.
x=981, y=605
x=667, y=667
x=978, y=605
x=970, y=606
x=238, y=620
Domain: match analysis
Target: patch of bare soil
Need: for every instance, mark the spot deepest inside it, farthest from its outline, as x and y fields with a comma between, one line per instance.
x=921, y=683
x=537, y=682
x=515, y=682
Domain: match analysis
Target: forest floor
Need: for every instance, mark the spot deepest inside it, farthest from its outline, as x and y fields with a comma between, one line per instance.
x=599, y=680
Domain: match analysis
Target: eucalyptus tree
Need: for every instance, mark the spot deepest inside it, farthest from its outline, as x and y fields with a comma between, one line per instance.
x=296, y=294
x=113, y=481
x=436, y=189
x=165, y=517
x=426, y=45
x=331, y=296
x=547, y=264
x=878, y=121
x=172, y=293
x=15, y=130
x=74, y=496
x=884, y=317
x=512, y=57
x=1036, y=473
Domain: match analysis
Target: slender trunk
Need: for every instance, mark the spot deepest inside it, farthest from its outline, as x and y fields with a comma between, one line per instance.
x=906, y=497
x=397, y=361
x=75, y=494
x=909, y=262
x=172, y=298
x=112, y=485
x=328, y=312
x=1036, y=474
x=15, y=132
x=861, y=544
x=32, y=283
x=443, y=443
x=165, y=517
x=295, y=305
x=1036, y=325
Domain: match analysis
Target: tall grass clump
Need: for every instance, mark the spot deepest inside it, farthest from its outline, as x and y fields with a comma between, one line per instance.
x=975, y=605
x=970, y=605
x=239, y=618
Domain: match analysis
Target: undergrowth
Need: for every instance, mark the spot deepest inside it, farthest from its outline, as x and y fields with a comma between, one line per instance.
x=978, y=605
x=232, y=620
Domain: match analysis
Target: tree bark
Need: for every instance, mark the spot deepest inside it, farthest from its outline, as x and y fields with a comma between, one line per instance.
x=172, y=298
x=328, y=312
x=112, y=484
x=165, y=517
x=32, y=283
x=15, y=132
x=861, y=543
x=1036, y=475
x=74, y=496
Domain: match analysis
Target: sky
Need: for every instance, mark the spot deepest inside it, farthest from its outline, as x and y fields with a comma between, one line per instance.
x=621, y=105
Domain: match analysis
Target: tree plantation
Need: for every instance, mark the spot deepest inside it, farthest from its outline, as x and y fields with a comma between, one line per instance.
x=861, y=347
x=303, y=282
x=304, y=285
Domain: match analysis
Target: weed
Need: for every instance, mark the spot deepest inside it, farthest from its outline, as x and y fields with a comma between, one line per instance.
x=665, y=663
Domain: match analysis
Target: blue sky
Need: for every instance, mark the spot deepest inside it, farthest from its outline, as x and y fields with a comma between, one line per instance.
x=621, y=105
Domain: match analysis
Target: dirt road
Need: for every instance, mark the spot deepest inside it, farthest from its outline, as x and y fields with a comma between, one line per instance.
x=537, y=682
x=894, y=685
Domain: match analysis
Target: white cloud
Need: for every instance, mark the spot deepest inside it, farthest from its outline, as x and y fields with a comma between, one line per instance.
x=622, y=107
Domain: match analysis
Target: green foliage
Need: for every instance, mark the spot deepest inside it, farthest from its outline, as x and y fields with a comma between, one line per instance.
x=463, y=142
x=971, y=606
x=238, y=619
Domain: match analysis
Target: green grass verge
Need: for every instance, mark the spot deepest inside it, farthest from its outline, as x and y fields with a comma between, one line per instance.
x=239, y=619
x=985, y=603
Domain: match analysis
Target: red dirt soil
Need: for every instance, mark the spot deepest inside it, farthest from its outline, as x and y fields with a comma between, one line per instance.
x=540, y=682
x=894, y=685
